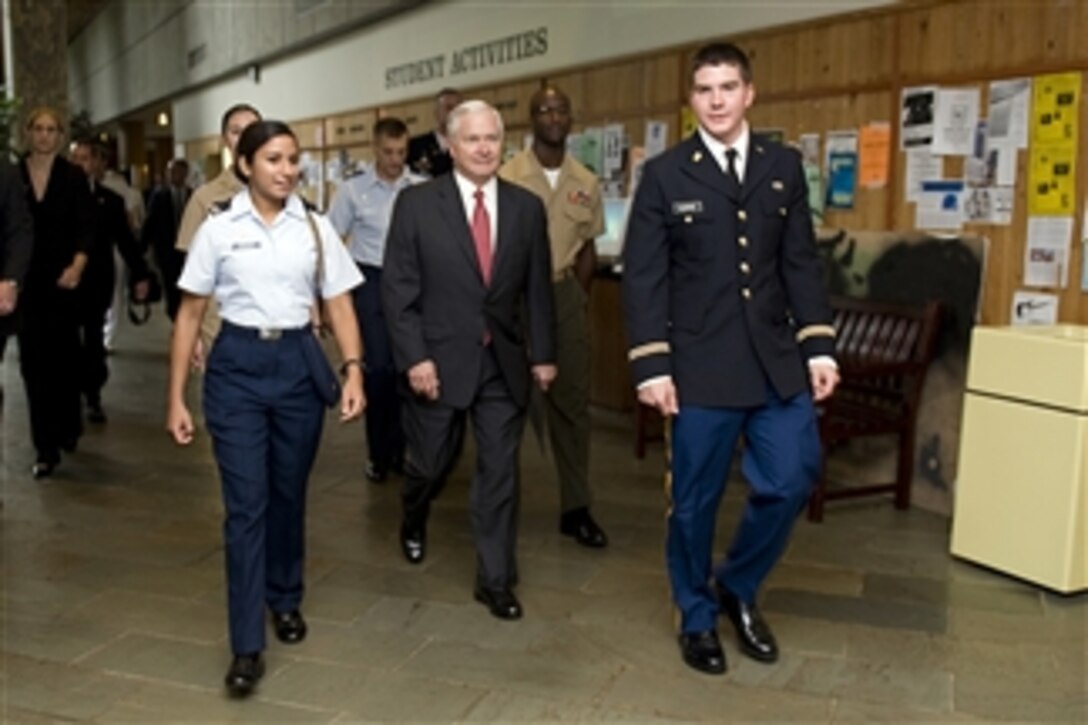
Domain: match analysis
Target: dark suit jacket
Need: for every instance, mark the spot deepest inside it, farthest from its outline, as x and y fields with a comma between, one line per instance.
x=160, y=230
x=111, y=228
x=724, y=292
x=435, y=301
x=425, y=156
x=16, y=237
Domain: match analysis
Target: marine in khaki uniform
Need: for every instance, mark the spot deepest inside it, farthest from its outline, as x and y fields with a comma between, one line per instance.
x=575, y=217
x=221, y=189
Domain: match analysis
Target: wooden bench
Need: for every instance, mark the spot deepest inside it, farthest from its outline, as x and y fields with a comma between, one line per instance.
x=883, y=351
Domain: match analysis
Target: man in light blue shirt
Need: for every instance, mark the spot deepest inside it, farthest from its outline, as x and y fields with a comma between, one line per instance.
x=360, y=213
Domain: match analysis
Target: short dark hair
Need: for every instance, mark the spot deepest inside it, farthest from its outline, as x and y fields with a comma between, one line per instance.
x=447, y=92
x=97, y=148
x=390, y=127
x=256, y=135
x=237, y=108
x=722, y=54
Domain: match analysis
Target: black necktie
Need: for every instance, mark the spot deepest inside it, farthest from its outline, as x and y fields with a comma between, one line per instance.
x=732, y=180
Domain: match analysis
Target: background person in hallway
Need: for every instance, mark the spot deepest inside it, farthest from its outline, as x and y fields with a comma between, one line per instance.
x=429, y=153
x=160, y=232
x=221, y=188
x=16, y=245
x=261, y=391
x=360, y=213
x=112, y=234
x=575, y=218
x=729, y=328
x=466, y=260
x=60, y=204
x=134, y=209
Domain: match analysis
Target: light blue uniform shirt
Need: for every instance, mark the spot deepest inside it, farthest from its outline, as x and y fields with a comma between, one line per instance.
x=262, y=274
x=362, y=207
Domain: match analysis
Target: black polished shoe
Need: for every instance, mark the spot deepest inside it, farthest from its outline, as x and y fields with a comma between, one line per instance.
x=500, y=602
x=43, y=469
x=702, y=651
x=413, y=542
x=753, y=634
x=290, y=626
x=375, y=473
x=95, y=414
x=579, y=524
x=244, y=672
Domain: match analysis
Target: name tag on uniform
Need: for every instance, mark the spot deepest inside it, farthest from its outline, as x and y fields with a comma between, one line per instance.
x=695, y=206
x=244, y=245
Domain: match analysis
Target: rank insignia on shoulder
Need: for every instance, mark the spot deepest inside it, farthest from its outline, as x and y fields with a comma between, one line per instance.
x=220, y=206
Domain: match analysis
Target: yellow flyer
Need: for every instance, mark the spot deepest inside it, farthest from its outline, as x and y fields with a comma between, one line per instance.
x=1055, y=104
x=1052, y=179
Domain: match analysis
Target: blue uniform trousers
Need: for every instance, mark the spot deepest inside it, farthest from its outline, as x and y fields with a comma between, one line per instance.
x=384, y=435
x=265, y=419
x=781, y=461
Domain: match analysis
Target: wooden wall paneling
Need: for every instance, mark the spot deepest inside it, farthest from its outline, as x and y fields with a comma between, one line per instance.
x=350, y=128
x=512, y=100
x=573, y=84
x=417, y=115
x=661, y=73
x=310, y=133
x=614, y=90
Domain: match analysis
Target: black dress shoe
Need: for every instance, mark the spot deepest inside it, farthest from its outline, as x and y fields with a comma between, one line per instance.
x=413, y=542
x=579, y=524
x=753, y=634
x=375, y=473
x=43, y=469
x=290, y=626
x=500, y=602
x=244, y=672
x=703, y=651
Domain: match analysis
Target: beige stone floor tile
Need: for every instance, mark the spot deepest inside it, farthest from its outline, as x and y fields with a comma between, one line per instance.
x=54, y=640
x=825, y=579
x=158, y=702
x=356, y=646
x=336, y=604
x=513, y=707
x=525, y=672
x=691, y=695
x=61, y=691
x=857, y=711
x=157, y=614
x=926, y=688
x=373, y=695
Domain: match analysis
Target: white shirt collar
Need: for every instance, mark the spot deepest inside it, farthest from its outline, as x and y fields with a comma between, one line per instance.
x=468, y=189
x=242, y=204
x=717, y=149
x=406, y=177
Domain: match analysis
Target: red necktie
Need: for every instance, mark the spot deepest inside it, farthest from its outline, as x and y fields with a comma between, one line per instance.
x=481, y=235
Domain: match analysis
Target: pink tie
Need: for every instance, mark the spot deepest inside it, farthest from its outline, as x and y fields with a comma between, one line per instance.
x=481, y=235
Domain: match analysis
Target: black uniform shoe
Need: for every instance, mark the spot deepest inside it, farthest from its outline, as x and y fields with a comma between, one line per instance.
x=244, y=672
x=43, y=469
x=290, y=626
x=500, y=602
x=703, y=651
x=413, y=542
x=753, y=634
x=580, y=525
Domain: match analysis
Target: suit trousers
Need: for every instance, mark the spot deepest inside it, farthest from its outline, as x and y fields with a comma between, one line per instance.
x=384, y=435
x=435, y=434
x=568, y=398
x=265, y=420
x=94, y=370
x=48, y=347
x=781, y=461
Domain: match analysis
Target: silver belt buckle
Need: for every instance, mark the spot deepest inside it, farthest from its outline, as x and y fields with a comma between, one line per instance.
x=269, y=334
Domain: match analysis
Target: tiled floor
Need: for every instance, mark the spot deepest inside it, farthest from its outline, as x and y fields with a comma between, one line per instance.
x=113, y=601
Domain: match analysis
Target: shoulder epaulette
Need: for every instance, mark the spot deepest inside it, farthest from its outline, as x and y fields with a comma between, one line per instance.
x=308, y=205
x=220, y=206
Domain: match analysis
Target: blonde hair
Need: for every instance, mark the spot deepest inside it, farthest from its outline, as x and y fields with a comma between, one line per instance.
x=39, y=111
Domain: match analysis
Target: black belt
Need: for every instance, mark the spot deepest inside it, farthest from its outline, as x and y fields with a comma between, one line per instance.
x=265, y=334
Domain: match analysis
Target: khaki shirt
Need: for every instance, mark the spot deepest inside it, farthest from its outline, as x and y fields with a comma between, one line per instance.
x=575, y=211
x=221, y=188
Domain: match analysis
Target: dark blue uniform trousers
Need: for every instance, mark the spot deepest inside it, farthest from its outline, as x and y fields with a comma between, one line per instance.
x=384, y=435
x=781, y=461
x=265, y=420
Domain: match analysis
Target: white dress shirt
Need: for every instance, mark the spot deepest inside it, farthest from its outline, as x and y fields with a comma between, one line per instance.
x=491, y=202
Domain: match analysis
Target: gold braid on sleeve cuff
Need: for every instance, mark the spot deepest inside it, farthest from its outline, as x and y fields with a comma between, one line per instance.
x=815, y=331
x=647, y=349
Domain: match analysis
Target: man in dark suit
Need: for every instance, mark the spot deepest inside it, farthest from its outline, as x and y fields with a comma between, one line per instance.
x=111, y=228
x=160, y=231
x=16, y=245
x=467, y=278
x=429, y=153
x=729, y=327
